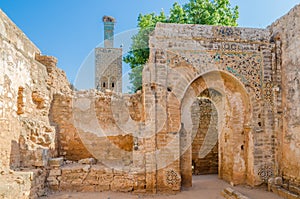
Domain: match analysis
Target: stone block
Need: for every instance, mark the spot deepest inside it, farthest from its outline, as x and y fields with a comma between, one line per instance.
x=87, y=188
x=77, y=181
x=87, y=161
x=294, y=189
x=65, y=186
x=56, y=162
x=71, y=168
x=285, y=193
x=122, y=184
x=139, y=186
x=55, y=172
x=54, y=187
x=91, y=180
x=100, y=188
x=52, y=180
x=229, y=191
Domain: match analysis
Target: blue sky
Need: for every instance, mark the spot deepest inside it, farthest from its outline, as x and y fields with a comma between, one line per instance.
x=71, y=29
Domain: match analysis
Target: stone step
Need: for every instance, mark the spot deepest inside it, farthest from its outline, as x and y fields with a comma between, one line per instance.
x=230, y=193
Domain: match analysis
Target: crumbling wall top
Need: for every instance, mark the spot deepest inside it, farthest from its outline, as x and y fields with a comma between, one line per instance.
x=207, y=32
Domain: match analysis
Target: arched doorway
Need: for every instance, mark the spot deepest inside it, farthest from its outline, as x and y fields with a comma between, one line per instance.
x=205, y=133
x=221, y=128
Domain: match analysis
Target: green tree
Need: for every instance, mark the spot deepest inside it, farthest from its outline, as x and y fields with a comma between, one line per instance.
x=210, y=12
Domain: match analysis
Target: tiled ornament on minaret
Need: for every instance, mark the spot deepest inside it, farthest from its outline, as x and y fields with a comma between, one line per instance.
x=108, y=60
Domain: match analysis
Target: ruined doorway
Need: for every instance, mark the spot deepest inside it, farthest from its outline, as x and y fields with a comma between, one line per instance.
x=205, y=138
x=218, y=130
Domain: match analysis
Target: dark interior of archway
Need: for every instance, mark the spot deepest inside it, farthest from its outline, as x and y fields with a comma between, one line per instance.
x=205, y=161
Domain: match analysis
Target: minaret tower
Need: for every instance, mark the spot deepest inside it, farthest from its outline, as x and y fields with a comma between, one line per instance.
x=109, y=26
x=108, y=60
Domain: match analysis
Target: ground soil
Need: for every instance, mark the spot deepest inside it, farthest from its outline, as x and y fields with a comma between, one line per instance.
x=204, y=187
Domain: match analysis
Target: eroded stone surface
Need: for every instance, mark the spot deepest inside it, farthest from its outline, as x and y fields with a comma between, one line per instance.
x=247, y=130
x=27, y=138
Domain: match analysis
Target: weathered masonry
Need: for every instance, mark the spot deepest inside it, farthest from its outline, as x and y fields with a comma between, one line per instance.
x=215, y=100
x=108, y=60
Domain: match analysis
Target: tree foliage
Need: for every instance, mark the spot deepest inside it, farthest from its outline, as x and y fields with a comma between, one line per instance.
x=210, y=12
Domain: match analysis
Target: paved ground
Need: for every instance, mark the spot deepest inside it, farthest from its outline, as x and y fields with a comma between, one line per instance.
x=204, y=187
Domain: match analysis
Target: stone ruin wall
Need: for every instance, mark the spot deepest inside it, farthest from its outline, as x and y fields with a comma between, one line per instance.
x=26, y=89
x=99, y=151
x=113, y=139
x=286, y=31
x=139, y=142
x=38, y=125
x=238, y=62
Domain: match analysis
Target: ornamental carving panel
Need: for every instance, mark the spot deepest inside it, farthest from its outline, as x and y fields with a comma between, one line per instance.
x=172, y=178
x=247, y=67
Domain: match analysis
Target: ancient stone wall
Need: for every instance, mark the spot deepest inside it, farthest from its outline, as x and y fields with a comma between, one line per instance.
x=103, y=126
x=205, y=116
x=238, y=63
x=286, y=33
x=105, y=139
x=147, y=142
x=27, y=137
x=88, y=175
